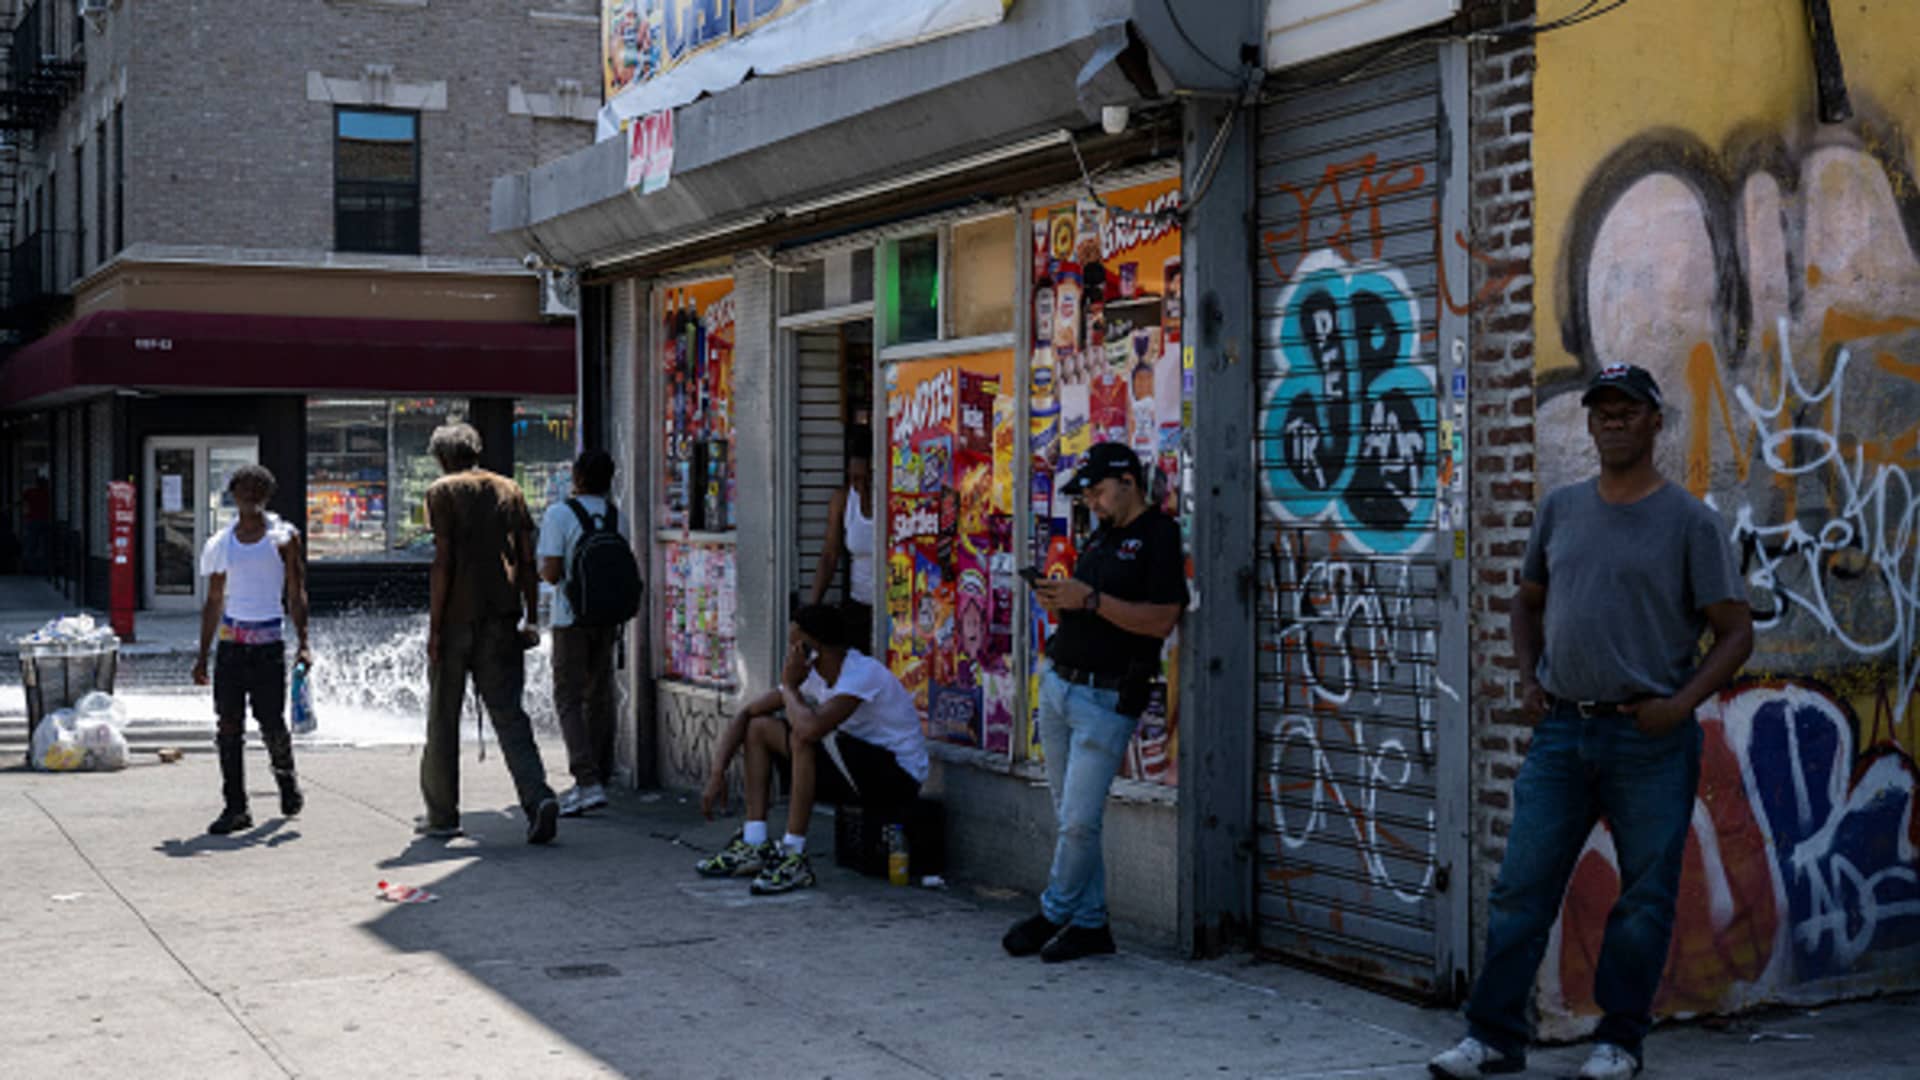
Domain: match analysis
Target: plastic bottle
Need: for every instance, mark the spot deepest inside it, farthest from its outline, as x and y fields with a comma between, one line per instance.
x=897, y=854
x=303, y=720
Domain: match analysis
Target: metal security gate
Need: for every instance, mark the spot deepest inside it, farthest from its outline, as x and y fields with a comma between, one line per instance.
x=820, y=465
x=1360, y=785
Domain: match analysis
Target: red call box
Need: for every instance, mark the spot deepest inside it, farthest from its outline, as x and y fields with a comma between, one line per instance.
x=120, y=527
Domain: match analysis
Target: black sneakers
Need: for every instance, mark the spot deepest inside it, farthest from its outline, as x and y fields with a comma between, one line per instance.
x=543, y=821
x=231, y=820
x=1077, y=941
x=1028, y=936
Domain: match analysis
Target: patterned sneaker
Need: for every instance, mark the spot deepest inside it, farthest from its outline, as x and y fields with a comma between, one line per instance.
x=1609, y=1062
x=1473, y=1058
x=739, y=858
x=792, y=871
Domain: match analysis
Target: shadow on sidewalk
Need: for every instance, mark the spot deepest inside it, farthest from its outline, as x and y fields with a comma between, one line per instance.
x=270, y=833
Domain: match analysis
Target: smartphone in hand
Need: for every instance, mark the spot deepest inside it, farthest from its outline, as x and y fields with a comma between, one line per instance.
x=1032, y=574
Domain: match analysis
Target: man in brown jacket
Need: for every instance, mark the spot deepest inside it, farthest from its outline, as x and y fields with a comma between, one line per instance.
x=483, y=578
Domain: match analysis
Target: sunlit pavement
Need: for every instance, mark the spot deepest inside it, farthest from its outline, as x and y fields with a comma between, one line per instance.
x=136, y=946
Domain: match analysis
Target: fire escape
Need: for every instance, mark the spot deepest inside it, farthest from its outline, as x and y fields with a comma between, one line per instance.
x=42, y=65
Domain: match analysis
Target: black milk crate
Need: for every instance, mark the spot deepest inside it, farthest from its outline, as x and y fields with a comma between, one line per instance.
x=860, y=839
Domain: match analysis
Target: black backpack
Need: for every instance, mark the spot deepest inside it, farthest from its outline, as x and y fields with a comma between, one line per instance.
x=603, y=577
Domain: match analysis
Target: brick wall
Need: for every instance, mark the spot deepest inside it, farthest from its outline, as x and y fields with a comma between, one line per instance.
x=1502, y=427
x=227, y=148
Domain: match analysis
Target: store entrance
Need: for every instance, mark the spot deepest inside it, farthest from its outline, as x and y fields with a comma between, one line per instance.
x=833, y=391
x=186, y=501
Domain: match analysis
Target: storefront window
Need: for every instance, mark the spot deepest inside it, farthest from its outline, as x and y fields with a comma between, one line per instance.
x=543, y=452
x=913, y=289
x=1107, y=367
x=984, y=265
x=950, y=569
x=696, y=452
x=367, y=474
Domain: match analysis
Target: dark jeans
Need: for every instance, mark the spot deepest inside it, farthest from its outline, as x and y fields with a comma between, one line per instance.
x=250, y=675
x=1578, y=770
x=489, y=651
x=583, y=696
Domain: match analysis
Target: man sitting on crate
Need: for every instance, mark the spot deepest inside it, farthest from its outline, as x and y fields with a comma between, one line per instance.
x=826, y=687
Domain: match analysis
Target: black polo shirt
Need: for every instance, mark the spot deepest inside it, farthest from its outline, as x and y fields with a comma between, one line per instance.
x=1141, y=562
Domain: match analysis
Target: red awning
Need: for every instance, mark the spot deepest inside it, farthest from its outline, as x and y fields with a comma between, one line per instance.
x=181, y=350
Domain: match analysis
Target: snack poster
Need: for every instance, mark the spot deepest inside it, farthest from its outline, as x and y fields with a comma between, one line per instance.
x=950, y=555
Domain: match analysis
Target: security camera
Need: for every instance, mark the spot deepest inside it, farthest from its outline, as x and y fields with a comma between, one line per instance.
x=530, y=260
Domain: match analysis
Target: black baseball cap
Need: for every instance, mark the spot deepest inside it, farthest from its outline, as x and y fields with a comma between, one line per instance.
x=1630, y=379
x=1104, y=460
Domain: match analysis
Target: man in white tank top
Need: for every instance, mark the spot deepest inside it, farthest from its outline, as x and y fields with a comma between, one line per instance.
x=256, y=576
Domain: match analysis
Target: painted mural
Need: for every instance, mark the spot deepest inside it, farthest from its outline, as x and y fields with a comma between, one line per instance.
x=1766, y=268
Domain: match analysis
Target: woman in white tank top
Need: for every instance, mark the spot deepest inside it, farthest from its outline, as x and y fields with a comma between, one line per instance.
x=850, y=533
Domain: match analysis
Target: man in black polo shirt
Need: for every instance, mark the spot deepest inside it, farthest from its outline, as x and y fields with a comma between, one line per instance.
x=1128, y=589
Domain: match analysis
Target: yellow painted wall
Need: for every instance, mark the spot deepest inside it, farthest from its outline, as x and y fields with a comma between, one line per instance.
x=1766, y=268
x=1711, y=67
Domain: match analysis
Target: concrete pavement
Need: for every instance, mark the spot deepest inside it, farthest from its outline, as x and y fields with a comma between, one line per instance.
x=135, y=945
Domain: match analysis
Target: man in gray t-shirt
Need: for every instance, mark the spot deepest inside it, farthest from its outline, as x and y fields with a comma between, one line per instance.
x=1622, y=576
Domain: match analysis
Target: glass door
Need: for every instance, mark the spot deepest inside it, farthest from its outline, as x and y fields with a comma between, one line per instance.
x=186, y=502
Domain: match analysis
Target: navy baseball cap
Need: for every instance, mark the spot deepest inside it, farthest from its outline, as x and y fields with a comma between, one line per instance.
x=1102, y=461
x=1630, y=379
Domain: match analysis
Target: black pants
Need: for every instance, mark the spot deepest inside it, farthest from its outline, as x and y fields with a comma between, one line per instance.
x=256, y=676
x=583, y=696
x=873, y=779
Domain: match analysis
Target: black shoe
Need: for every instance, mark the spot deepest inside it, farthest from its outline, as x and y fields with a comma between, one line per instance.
x=1029, y=935
x=231, y=821
x=543, y=821
x=423, y=827
x=292, y=800
x=1077, y=941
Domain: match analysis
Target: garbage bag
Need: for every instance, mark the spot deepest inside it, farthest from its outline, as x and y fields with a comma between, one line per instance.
x=56, y=747
x=104, y=746
x=100, y=705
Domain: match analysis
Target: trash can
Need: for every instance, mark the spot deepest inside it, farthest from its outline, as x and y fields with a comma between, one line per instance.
x=57, y=674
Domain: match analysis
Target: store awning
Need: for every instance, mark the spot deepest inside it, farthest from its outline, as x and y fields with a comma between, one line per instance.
x=826, y=148
x=203, y=352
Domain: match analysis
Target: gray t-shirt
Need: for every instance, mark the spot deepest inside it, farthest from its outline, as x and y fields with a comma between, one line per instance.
x=1627, y=590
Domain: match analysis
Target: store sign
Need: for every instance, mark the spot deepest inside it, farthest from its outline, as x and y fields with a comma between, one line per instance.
x=650, y=152
x=661, y=54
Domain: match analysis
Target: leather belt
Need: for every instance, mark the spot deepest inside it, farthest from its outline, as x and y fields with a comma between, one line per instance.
x=1099, y=680
x=1588, y=709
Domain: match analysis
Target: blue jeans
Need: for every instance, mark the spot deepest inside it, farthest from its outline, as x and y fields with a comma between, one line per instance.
x=1085, y=741
x=1578, y=770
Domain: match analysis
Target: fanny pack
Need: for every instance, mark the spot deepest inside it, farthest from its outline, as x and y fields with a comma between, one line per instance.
x=250, y=632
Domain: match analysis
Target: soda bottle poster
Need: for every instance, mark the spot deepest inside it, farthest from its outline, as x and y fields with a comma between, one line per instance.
x=950, y=539
x=1107, y=324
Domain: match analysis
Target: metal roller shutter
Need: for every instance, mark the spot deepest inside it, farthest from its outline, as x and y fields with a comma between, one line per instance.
x=821, y=461
x=1350, y=693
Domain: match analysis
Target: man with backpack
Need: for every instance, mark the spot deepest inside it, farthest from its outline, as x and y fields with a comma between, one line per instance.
x=583, y=553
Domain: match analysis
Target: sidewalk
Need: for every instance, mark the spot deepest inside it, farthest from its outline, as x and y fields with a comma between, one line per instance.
x=138, y=946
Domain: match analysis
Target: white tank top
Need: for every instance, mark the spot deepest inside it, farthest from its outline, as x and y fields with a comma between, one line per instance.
x=256, y=575
x=857, y=527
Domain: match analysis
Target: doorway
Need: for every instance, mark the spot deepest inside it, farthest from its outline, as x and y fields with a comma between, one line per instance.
x=186, y=501
x=833, y=392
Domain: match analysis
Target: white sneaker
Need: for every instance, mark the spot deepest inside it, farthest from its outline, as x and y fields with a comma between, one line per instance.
x=1609, y=1062
x=579, y=799
x=1472, y=1058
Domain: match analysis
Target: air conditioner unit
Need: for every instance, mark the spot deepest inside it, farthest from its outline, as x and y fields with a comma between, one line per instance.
x=559, y=294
